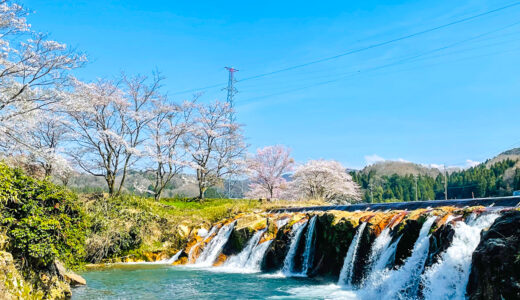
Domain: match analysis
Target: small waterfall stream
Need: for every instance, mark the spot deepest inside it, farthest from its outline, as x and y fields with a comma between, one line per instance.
x=288, y=264
x=249, y=258
x=381, y=243
x=174, y=258
x=385, y=258
x=447, y=279
x=345, y=277
x=403, y=282
x=207, y=235
x=309, y=247
x=214, y=247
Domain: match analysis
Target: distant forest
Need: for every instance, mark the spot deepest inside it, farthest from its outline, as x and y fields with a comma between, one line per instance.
x=475, y=182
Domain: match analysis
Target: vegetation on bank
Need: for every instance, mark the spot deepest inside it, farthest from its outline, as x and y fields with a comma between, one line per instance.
x=42, y=221
x=131, y=226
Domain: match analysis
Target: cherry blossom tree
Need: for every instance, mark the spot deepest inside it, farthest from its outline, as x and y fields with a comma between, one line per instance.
x=324, y=180
x=44, y=142
x=34, y=76
x=266, y=170
x=34, y=69
x=215, y=145
x=109, y=120
x=167, y=132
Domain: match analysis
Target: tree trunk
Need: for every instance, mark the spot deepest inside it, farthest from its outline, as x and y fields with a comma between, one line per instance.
x=110, y=179
x=157, y=194
x=202, y=190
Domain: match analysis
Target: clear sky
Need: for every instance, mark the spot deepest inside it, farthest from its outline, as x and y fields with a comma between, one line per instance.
x=446, y=96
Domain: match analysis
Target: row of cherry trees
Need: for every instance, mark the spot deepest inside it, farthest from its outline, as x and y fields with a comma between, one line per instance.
x=273, y=174
x=106, y=127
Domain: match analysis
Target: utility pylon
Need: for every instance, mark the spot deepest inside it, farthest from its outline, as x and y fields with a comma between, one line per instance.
x=445, y=183
x=416, y=192
x=231, y=91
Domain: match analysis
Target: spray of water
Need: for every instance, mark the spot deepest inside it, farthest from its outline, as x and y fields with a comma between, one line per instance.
x=309, y=247
x=288, y=263
x=214, y=247
x=447, y=279
x=345, y=277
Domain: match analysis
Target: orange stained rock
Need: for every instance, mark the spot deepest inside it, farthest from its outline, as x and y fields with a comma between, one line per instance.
x=443, y=210
x=442, y=220
x=416, y=214
x=397, y=219
x=180, y=261
x=382, y=220
x=220, y=260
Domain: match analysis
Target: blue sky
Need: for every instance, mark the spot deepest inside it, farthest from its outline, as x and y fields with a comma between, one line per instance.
x=447, y=96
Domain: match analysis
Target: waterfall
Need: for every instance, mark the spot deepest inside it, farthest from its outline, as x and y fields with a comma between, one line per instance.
x=214, y=247
x=282, y=222
x=447, y=279
x=309, y=247
x=254, y=261
x=174, y=258
x=288, y=263
x=241, y=260
x=345, y=277
x=385, y=257
x=403, y=283
x=380, y=244
x=205, y=237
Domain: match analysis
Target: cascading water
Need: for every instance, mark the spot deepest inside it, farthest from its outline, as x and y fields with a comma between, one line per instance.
x=244, y=258
x=381, y=243
x=403, y=282
x=174, y=258
x=447, y=279
x=345, y=277
x=309, y=247
x=205, y=236
x=214, y=247
x=288, y=263
x=386, y=256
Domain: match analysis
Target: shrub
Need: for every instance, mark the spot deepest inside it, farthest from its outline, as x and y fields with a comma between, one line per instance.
x=43, y=221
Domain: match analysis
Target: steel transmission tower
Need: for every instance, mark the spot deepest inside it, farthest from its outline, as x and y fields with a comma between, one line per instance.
x=231, y=91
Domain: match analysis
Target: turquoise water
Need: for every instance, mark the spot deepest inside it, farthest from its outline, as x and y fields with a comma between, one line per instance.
x=141, y=281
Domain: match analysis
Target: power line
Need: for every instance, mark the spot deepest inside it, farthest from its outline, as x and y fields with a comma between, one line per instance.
x=376, y=45
x=376, y=68
x=384, y=43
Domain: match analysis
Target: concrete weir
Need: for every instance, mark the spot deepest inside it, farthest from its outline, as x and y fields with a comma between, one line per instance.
x=510, y=201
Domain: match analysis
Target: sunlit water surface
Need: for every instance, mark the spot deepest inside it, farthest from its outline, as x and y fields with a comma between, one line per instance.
x=149, y=281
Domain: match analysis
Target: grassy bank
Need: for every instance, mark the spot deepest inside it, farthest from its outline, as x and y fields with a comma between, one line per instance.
x=131, y=226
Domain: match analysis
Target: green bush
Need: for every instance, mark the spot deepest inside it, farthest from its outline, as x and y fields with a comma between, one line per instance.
x=43, y=221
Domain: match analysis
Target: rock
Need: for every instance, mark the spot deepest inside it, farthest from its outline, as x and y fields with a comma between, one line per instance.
x=237, y=240
x=440, y=240
x=74, y=279
x=495, y=270
x=409, y=232
x=333, y=237
x=69, y=276
x=12, y=285
x=183, y=231
x=275, y=254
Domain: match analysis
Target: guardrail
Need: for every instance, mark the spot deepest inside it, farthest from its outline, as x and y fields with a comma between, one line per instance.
x=510, y=201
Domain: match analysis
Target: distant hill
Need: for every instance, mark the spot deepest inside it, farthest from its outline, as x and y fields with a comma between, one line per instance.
x=513, y=154
x=388, y=168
